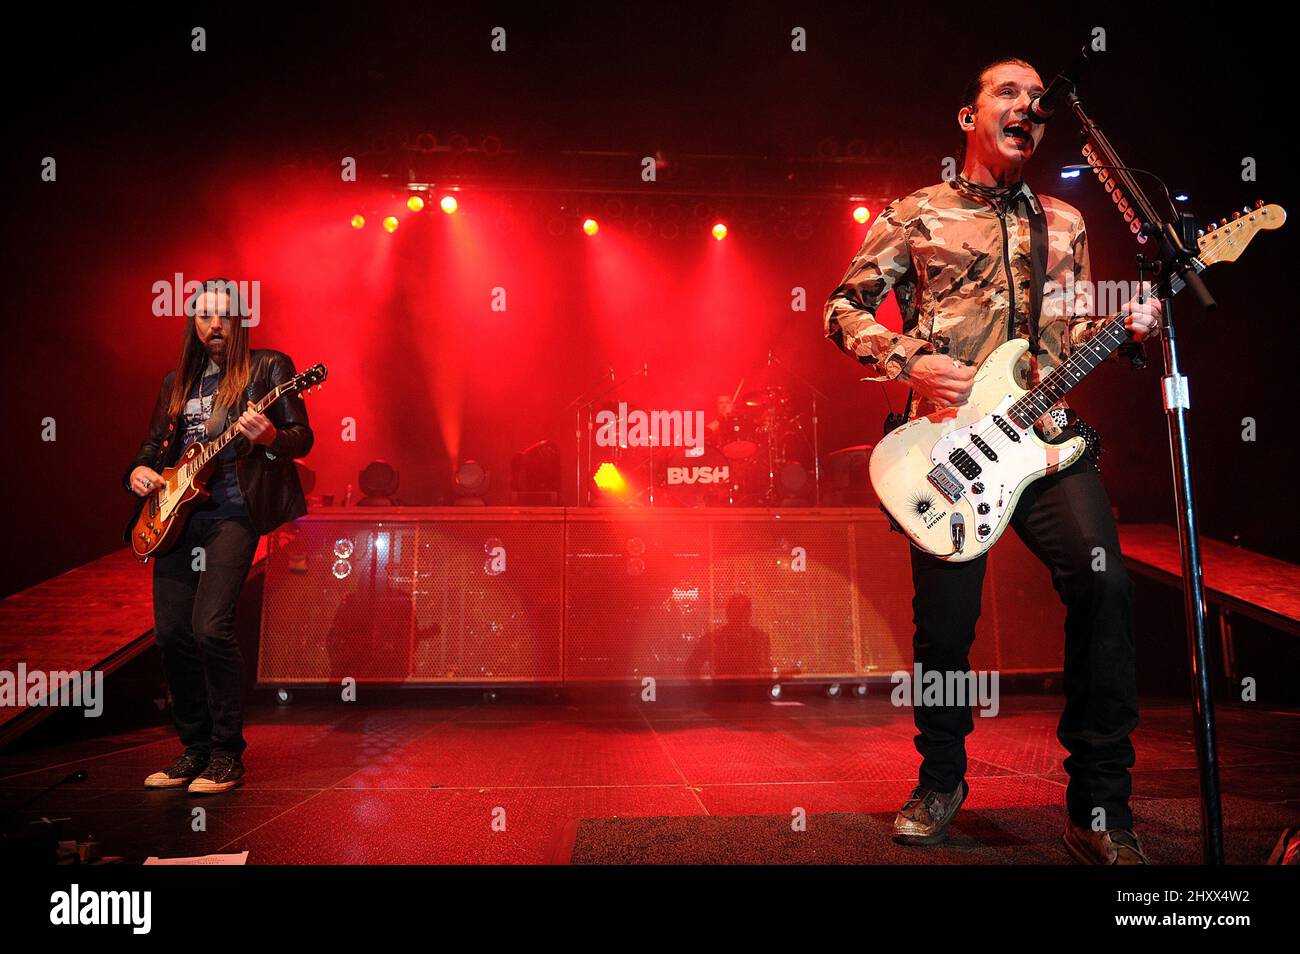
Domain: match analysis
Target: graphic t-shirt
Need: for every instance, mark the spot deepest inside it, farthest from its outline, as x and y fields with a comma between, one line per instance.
x=227, y=501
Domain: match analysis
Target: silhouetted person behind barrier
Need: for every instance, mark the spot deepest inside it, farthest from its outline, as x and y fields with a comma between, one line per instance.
x=735, y=648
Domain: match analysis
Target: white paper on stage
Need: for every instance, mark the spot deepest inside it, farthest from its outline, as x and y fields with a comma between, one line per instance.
x=239, y=858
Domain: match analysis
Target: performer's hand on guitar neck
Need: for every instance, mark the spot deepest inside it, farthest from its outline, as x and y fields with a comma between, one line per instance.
x=256, y=427
x=1144, y=314
x=940, y=379
x=144, y=481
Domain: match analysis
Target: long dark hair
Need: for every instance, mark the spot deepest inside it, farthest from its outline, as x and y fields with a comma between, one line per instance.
x=194, y=357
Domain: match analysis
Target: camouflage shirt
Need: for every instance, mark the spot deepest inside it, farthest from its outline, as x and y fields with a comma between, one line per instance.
x=957, y=259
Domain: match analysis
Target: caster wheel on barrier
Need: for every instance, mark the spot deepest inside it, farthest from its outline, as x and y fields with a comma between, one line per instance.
x=283, y=696
x=860, y=690
x=774, y=691
x=833, y=691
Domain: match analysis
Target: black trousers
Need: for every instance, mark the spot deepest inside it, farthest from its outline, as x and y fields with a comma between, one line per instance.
x=1066, y=521
x=194, y=626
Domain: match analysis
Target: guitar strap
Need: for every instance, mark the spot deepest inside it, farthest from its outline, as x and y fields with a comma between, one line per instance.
x=1038, y=260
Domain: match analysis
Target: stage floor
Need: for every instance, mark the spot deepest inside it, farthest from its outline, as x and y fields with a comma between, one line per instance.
x=421, y=778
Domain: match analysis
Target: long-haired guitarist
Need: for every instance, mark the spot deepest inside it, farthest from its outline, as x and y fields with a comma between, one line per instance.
x=254, y=489
x=960, y=260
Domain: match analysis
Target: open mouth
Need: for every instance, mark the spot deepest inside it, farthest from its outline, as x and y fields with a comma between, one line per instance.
x=1019, y=132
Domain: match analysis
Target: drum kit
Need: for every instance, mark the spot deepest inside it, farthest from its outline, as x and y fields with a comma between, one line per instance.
x=754, y=440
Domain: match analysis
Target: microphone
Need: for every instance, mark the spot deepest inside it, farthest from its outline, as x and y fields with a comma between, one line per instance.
x=1042, y=108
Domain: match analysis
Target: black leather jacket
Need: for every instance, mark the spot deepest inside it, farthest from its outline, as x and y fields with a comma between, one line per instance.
x=267, y=477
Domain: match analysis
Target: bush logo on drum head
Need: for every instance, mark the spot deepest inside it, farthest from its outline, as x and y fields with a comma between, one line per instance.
x=699, y=475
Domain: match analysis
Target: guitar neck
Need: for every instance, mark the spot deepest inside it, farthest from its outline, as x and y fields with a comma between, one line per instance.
x=218, y=444
x=1040, y=399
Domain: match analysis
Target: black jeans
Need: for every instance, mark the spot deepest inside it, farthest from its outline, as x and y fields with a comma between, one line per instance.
x=194, y=626
x=1062, y=518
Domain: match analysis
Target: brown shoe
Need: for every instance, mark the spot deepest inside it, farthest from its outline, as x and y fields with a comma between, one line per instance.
x=925, y=817
x=1116, y=846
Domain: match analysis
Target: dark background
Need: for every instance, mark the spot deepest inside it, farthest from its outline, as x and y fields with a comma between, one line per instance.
x=219, y=162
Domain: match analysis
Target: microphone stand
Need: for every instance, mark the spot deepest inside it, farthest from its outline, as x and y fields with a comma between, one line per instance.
x=580, y=405
x=583, y=403
x=1178, y=268
x=814, y=393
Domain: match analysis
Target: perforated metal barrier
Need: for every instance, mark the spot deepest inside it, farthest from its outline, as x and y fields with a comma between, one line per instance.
x=493, y=596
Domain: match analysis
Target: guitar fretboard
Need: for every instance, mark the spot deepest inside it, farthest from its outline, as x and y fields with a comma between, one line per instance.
x=1039, y=400
x=218, y=444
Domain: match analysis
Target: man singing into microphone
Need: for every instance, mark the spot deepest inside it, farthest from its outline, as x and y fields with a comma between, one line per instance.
x=958, y=257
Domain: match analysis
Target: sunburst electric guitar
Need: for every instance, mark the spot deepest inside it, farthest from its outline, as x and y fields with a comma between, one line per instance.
x=951, y=479
x=160, y=519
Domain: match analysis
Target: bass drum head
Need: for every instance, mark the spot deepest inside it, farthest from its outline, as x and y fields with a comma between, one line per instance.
x=739, y=436
x=703, y=478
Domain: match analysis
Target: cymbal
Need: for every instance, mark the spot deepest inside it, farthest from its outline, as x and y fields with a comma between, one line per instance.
x=770, y=396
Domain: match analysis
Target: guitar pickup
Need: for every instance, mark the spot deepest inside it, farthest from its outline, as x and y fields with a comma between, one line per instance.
x=964, y=463
x=987, y=451
x=1006, y=428
x=946, y=483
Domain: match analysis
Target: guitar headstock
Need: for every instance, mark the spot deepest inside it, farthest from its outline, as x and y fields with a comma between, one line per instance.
x=304, y=381
x=1227, y=240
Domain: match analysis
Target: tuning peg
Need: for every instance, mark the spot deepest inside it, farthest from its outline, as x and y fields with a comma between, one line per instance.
x=1236, y=215
x=1200, y=233
x=1223, y=221
x=1245, y=209
x=1259, y=203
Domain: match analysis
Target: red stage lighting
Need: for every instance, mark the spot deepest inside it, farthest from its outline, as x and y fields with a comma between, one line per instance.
x=415, y=203
x=448, y=204
x=719, y=231
x=358, y=221
x=390, y=224
x=861, y=214
x=591, y=226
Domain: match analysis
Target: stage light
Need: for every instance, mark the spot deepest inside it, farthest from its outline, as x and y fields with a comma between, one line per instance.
x=1182, y=197
x=861, y=214
x=390, y=224
x=608, y=479
x=358, y=221
x=591, y=226
x=470, y=484
x=1070, y=173
x=719, y=231
x=448, y=204
x=415, y=203
x=378, y=482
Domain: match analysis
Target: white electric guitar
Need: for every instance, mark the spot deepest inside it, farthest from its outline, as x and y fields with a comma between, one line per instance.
x=951, y=479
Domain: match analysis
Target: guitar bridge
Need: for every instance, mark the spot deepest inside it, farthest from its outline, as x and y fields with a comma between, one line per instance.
x=945, y=481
